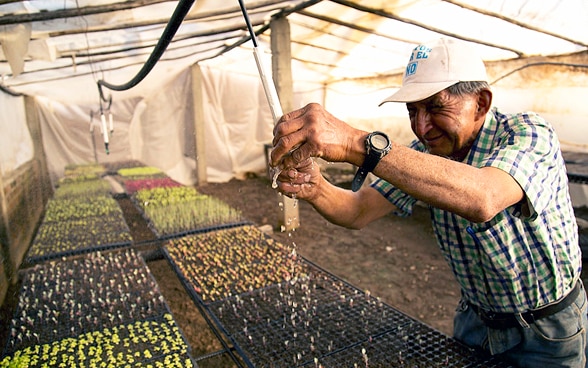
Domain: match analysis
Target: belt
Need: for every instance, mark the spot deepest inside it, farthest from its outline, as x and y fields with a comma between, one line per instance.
x=503, y=321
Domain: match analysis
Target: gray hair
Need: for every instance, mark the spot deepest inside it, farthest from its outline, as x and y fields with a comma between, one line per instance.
x=467, y=88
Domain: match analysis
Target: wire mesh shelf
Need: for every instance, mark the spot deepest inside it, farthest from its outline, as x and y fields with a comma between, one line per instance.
x=155, y=342
x=66, y=238
x=172, y=212
x=305, y=317
x=67, y=298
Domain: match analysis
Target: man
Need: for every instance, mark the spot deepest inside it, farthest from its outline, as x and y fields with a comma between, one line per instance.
x=497, y=189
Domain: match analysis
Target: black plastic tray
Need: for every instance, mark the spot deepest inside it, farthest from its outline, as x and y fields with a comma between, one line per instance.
x=315, y=318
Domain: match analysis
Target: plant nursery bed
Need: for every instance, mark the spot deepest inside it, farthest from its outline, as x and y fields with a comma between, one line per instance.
x=155, y=342
x=134, y=185
x=67, y=298
x=280, y=310
x=57, y=239
x=85, y=189
x=175, y=211
x=141, y=172
x=227, y=262
x=80, y=207
x=319, y=320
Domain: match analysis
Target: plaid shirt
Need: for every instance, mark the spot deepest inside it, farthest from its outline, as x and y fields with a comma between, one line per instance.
x=512, y=263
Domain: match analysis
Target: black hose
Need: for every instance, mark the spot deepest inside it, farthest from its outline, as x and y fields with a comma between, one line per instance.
x=170, y=30
x=248, y=23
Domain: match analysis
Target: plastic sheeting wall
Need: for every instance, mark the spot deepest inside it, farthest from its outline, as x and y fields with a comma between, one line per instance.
x=16, y=145
x=158, y=130
x=238, y=124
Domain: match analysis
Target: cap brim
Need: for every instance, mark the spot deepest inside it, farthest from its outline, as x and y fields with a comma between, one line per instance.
x=417, y=91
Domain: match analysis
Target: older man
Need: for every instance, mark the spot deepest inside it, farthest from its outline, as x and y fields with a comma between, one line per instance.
x=498, y=194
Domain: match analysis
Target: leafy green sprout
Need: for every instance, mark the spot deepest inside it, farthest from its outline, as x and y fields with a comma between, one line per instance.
x=154, y=343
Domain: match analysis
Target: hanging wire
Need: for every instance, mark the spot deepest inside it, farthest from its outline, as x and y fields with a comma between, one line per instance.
x=90, y=62
x=105, y=133
x=170, y=30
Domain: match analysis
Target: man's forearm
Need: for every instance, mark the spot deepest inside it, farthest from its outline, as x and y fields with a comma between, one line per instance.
x=353, y=210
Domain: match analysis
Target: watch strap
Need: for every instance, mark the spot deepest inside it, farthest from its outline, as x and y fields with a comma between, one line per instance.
x=370, y=162
x=359, y=178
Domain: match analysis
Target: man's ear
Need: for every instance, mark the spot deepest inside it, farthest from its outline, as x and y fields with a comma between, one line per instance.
x=484, y=103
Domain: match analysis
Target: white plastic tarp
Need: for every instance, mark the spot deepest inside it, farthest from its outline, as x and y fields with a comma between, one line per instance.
x=238, y=124
x=158, y=129
x=16, y=145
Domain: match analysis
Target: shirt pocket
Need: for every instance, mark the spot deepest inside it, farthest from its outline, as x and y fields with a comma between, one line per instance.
x=504, y=260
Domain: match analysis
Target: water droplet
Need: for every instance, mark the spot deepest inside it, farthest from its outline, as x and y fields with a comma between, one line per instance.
x=275, y=177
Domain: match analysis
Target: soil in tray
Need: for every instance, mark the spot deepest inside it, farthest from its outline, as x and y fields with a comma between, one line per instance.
x=64, y=238
x=67, y=298
x=157, y=340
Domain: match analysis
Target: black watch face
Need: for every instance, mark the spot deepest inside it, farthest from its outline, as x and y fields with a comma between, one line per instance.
x=379, y=142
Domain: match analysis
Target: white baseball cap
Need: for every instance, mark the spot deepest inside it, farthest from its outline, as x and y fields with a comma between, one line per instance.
x=436, y=66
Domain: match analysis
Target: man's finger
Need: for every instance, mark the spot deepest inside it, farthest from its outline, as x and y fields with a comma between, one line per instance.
x=285, y=145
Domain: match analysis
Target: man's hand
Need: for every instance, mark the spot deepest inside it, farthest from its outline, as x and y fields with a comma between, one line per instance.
x=300, y=182
x=314, y=132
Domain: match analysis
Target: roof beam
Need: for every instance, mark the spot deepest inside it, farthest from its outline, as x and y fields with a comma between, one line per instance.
x=514, y=21
x=310, y=45
x=75, y=12
x=224, y=13
x=351, y=26
x=323, y=31
x=87, y=53
x=388, y=15
x=93, y=62
x=282, y=13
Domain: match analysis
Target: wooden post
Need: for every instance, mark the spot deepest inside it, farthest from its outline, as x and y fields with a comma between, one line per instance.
x=199, y=138
x=6, y=271
x=282, y=76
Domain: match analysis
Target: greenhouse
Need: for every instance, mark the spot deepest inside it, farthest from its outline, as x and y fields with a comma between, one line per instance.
x=141, y=220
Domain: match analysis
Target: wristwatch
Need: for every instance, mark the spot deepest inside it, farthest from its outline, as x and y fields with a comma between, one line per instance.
x=377, y=145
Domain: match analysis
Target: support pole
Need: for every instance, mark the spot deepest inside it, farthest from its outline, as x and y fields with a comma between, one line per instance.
x=6, y=270
x=199, y=134
x=282, y=76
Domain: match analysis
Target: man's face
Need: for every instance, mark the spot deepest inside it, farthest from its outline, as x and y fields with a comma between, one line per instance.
x=445, y=124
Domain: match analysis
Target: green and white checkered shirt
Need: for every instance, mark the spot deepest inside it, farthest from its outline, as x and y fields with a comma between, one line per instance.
x=512, y=263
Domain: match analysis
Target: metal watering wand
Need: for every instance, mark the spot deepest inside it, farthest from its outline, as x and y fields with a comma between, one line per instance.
x=268, y=84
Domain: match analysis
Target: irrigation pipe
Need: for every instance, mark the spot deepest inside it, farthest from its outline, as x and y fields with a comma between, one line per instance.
x=170, y=30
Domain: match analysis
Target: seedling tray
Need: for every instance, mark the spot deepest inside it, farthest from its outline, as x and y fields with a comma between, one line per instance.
x=85, y=189
x=198, y=230
x=321, y=320
x=305, y=317
x=412, y=346
x=68, y=298
x=133, y=185
x=67, y=238
x=176, y=211
x=155, y=342
x=79, y=207
x=226, y=262
x=141, y=172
